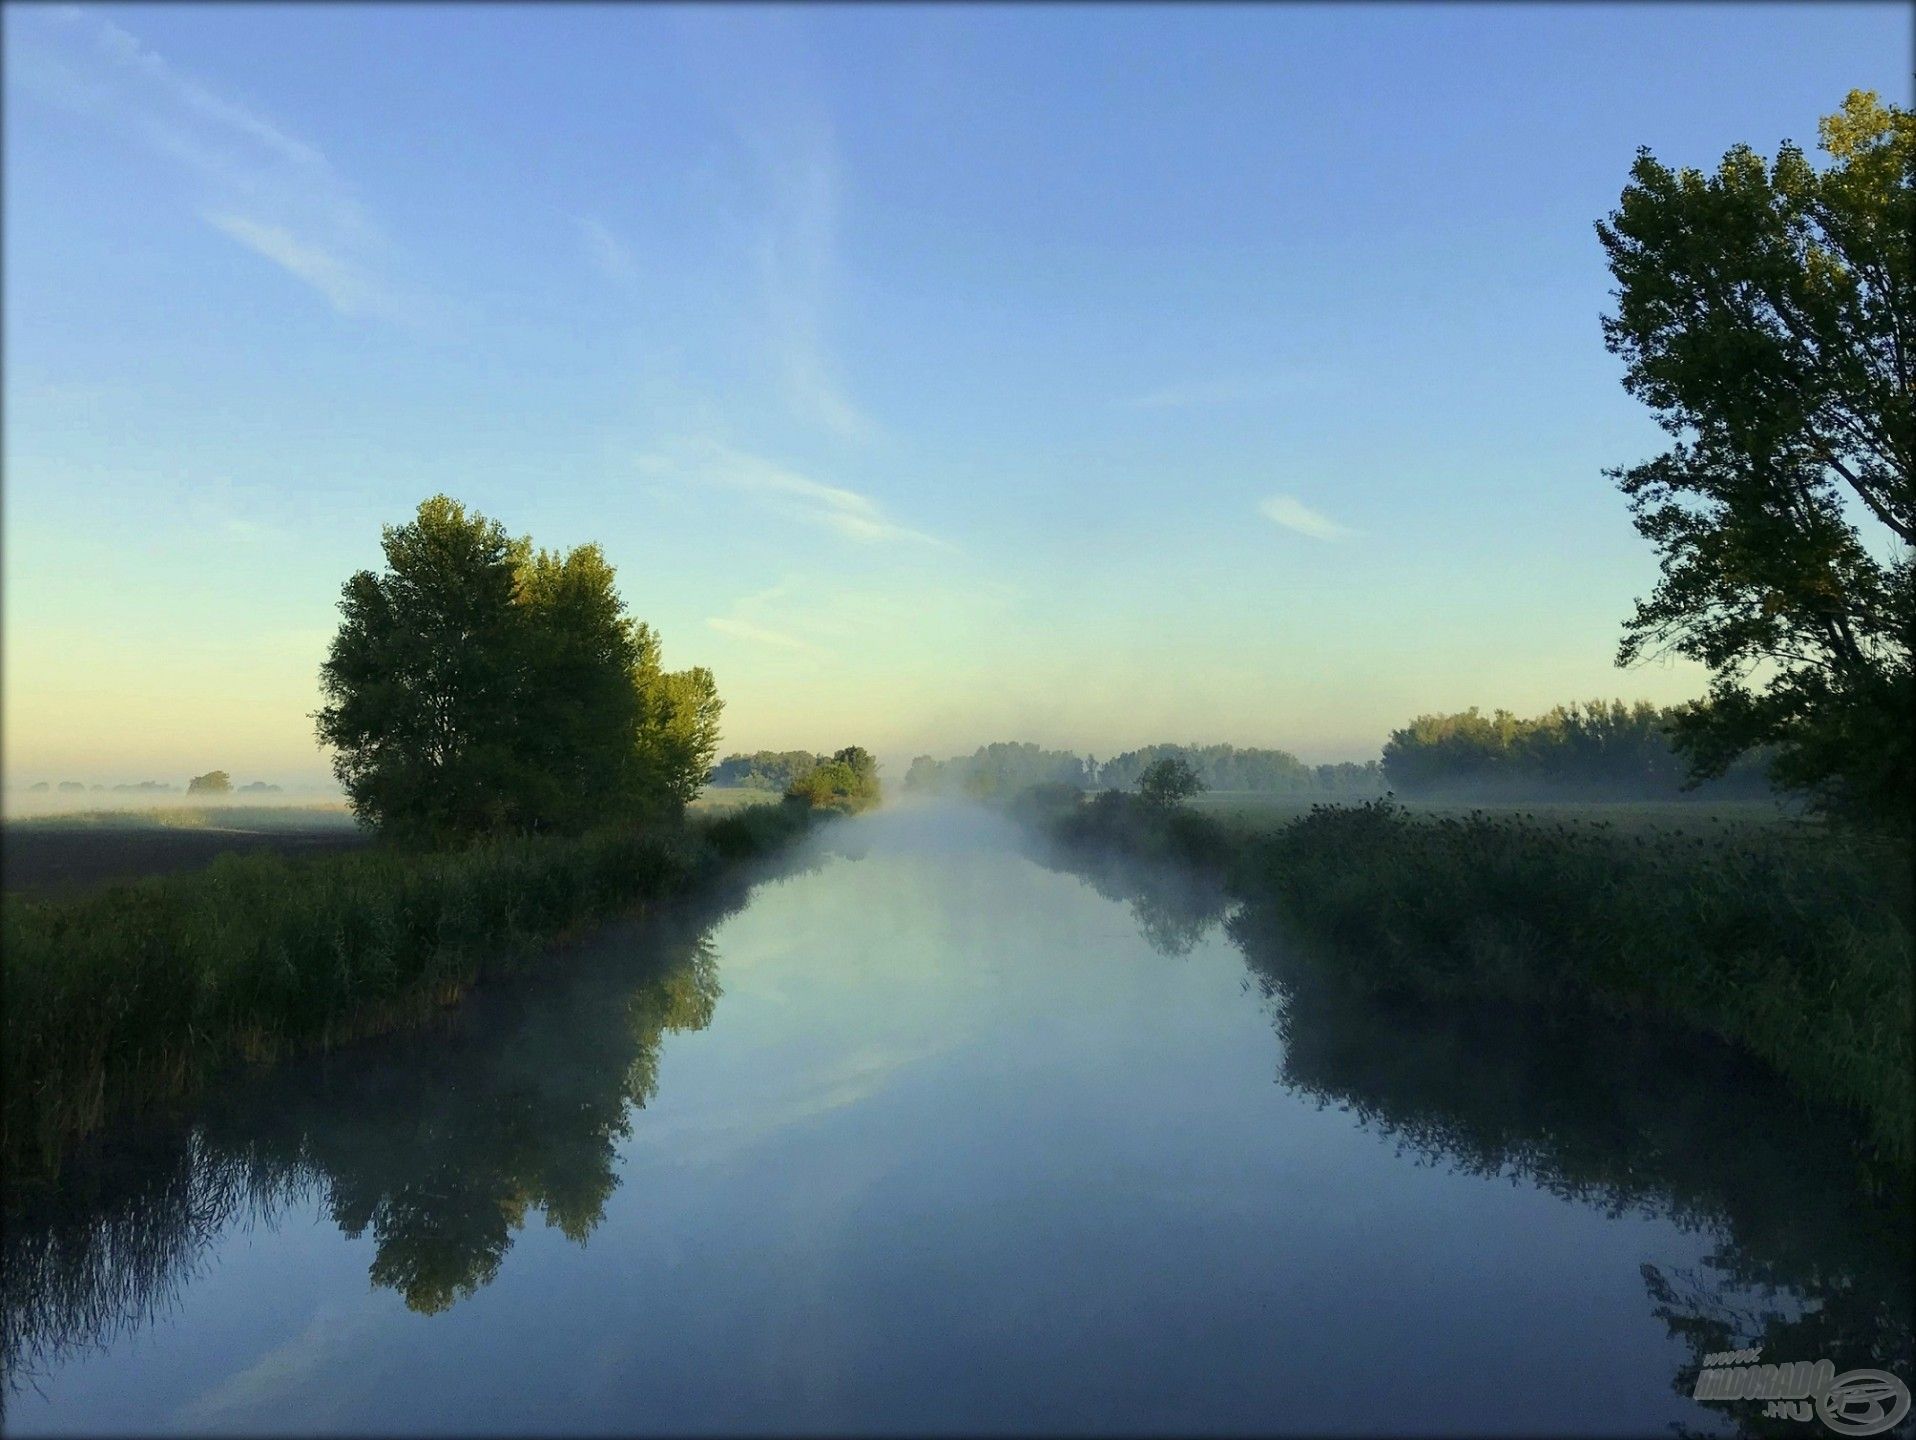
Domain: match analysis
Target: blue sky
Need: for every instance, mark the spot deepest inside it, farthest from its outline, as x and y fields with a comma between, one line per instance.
x=935, y=374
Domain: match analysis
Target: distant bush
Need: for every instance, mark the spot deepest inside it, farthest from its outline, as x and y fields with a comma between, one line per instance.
x=848, y=782
x=213, y=782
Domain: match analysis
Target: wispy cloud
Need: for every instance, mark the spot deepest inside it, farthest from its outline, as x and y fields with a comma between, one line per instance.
x=1221, y=390
x=763, y=635
x=345, y=287
x=608, y=253
x=1294, y=514
x=832, y=507
x=260, y=185
x=797, y=179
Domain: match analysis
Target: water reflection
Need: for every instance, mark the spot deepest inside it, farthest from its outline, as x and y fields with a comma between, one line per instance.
x=438, y=1145
x=1811, y=1253
x=1174, y=907
x=1058, y=1197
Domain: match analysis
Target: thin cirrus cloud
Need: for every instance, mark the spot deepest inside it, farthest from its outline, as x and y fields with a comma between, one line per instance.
x=796, y=173
x=786, y=173
x=261, y=186
x=760, y=634
x=797, y=263
x=345, y=287
x=787, y=611
x=610, y=255
x=1294, y=514
x=832, y=507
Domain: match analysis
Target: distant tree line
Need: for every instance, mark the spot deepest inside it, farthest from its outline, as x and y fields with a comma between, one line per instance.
x=999, y=771
x=1226, y=767
x=765, y=769
x=1597, y=749
x=1002, y=770
x=199, y=784
x=477, y=686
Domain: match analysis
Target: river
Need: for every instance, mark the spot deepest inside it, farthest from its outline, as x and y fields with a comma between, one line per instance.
x=926, y=1130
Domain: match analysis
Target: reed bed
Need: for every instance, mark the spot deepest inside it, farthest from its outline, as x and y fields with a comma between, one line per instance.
x=137, y=993
x=1792, y=943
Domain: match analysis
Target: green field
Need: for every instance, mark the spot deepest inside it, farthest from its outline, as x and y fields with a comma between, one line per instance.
x=262, y=819
x=1251, y=812
x=722, y=800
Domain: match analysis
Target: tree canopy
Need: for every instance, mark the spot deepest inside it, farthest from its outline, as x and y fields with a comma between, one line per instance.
x=1168, y=782
x=213, y=782
x=1765, y=314
x=476, y=686
x=848, y=782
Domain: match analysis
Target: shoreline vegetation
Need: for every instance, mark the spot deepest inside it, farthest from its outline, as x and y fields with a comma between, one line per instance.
x=138, y=994
x=1792, y=944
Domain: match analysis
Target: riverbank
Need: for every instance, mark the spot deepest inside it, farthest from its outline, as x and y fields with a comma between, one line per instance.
x=137, y=993
x=1795, y=947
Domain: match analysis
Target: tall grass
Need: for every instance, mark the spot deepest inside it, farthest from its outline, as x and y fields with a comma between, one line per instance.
x=1794, y=945
x=139, y=992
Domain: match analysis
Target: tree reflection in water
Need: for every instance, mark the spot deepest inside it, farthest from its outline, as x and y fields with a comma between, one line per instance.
x=438, y=1145
x=1812, y=1255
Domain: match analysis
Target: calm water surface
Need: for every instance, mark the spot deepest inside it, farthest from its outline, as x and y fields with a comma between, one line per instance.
x=925, y=1133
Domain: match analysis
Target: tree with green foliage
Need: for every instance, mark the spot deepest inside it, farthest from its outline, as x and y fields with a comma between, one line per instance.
x=213, y=782
x=1765, y=313
x=679, y=736
x=576, y=756
x=1168, y=782
x=476, y=686
x=848, y=782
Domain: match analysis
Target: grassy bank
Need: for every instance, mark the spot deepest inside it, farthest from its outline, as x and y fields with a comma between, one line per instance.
x=1794, y=945
x=139, y=992
x=1248, y=813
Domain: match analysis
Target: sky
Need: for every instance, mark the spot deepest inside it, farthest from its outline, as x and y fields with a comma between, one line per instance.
x=936, y=375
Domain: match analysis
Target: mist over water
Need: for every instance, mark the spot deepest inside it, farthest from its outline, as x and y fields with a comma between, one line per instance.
x=930, y=1129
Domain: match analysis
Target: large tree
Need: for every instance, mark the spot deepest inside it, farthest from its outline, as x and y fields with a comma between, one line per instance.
x=1765, y=314
x=424, y=679
x=476, y=686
